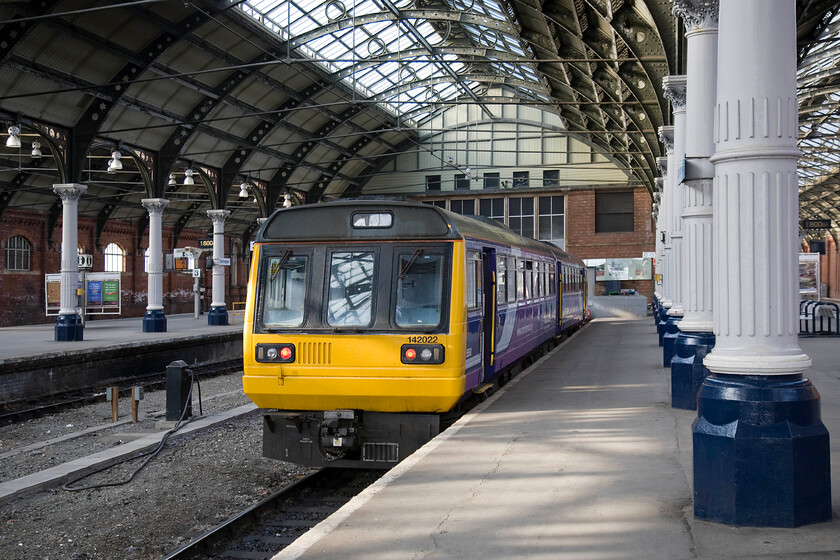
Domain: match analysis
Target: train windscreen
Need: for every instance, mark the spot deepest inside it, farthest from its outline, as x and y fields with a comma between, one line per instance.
x=284, y=291
x=419, y=289
x=351, y=289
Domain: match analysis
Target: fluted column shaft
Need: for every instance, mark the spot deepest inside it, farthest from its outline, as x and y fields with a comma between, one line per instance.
x=218, y=217
x=756, y=200
x=666, y=136
x=675, y=91
x=701, y=21
x=69, y=194
x=155, y=207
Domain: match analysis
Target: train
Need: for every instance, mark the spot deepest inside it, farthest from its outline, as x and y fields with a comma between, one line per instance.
x=369, y=324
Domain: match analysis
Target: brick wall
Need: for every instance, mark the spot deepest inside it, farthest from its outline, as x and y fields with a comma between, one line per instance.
x=22, y=297
x=583, y=242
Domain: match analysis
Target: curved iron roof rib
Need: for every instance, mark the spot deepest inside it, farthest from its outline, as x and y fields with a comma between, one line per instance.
x=313, y=97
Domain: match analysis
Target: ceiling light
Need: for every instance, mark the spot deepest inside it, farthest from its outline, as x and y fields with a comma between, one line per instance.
x=172, y=179
x=13, y=141
x=114, y=163
x=188, y=180
x=243, y=190
x=36, y=150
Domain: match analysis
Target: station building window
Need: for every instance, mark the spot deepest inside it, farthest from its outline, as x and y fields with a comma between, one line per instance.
x=521, y=215
x=461, y=182
x=17, y=251
x=463, y=207
x=114, y=258
x=551, y=178
x=432, y=182
x=493, y=208
x=552, y=220
x=491, y=180
x=520, y=179
x=613, y=212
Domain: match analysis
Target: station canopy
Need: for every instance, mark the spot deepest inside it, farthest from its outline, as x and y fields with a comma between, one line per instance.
x=245, y=105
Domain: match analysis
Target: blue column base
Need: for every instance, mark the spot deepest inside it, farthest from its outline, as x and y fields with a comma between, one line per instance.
x=217, y=316
x=154, y=321
x=69, y=328
x=687, y=369
x=660, y=326
x=761, y=452
x=672, y=331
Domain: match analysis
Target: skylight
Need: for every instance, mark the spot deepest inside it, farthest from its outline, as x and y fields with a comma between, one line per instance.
x=387, y=58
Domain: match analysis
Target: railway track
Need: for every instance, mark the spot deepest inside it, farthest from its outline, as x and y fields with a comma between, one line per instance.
x=20, y=411
x=267, y=527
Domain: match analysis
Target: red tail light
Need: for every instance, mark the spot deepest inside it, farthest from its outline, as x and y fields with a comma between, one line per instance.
x=422, y=354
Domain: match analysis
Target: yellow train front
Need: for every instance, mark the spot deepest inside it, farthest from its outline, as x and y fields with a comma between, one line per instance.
x=358, y=328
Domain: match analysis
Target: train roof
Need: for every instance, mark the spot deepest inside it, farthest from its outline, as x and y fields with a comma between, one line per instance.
x=390, y=220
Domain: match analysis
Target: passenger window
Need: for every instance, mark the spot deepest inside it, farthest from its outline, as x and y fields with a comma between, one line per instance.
x=551, y=279
x=351, y=289
x=511, y=280
x=529, y=279
x=520, y=280
x=284, y=291
x=419, y=290
x=501, y=280
x=474, y=296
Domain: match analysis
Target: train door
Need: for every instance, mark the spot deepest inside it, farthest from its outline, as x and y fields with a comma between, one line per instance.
x=490, y=312
x=475, y=317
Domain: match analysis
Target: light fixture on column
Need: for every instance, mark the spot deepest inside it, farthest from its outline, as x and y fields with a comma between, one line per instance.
x=172, y=179
x=287, y=200
x=36, y=150
x=114, y=164
x=243, y=190
x=188, y=179
x=13, y=141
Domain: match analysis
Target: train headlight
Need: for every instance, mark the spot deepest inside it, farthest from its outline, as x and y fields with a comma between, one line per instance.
x=280, y=353
x=421, y=354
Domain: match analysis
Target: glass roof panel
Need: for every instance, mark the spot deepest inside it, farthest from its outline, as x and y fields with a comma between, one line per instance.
x=371, y=31
x=819, y=121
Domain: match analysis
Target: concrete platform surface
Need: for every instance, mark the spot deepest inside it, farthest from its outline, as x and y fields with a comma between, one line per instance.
x=581, y=458
x=37, y=340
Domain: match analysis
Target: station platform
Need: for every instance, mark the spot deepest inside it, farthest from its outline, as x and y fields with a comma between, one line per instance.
x=580, y=457
x=33, y=364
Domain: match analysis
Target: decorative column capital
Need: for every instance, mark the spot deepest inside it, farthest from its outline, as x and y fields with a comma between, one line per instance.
x=697, y=14
x=69, y=192
x=675, y=90
x=155, y=205
x=660, y=183
x=218, y=216
x=666, y=136
x=662, y=164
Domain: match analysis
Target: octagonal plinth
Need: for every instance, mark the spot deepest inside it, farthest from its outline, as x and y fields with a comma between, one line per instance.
x=69, y=328
x=672, y=331
x=687, y=369
x=761, y=452
x=663, y=321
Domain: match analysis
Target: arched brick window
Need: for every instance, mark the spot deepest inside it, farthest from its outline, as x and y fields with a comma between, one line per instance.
x=114, y=258
x=17, y=253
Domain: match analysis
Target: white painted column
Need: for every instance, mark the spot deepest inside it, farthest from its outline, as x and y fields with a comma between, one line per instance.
x=675, y=92
x=69, y=194
x=666, y=136
x=218, y=302
x=660, y=246
x=69, y=323
x=701, y=22
x=154, y=306
x=756, y=192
